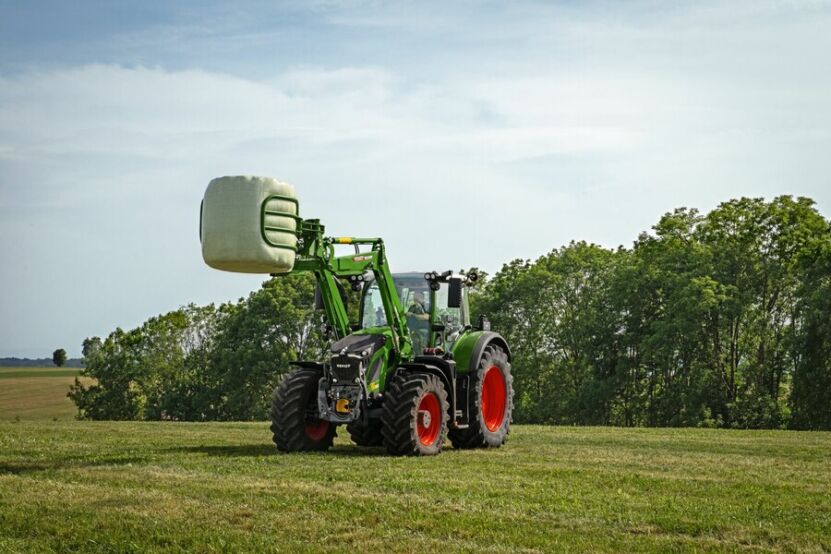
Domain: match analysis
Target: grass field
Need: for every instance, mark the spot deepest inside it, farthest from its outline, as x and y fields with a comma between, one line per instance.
x=36, y=393
x=136, y=487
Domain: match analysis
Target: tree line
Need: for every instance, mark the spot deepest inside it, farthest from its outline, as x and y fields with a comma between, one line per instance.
x=203, y=363
x=720, y=319
x=38, y=362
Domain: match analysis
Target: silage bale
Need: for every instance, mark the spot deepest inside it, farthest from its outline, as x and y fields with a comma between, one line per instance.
x=248, y=225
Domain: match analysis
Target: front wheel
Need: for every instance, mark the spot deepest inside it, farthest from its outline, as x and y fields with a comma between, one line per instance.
x=491, y=395
x=294, y=415
x=415, y=414
x=366, y=435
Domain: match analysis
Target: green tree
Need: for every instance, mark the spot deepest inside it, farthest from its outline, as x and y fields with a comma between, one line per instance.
x=174, y=356
x=155, y=371
x=708, y=320
x=272, y=327
x=754, y=247
x=113, y=366
x=810, y=400
x=90, y=346
x=59, y=357
x=203, y=363
x=553, y=314
x=668, y=294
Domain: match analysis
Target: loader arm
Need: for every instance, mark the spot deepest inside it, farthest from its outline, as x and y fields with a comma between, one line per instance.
x=316, y=254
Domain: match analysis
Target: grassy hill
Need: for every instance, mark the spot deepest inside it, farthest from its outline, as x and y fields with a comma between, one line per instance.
x=36, y=393
x=136, y=487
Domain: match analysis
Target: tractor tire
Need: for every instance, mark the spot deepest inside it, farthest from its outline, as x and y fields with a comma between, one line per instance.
x=415, y=414
x=366, y=435
x=491, y=402
x=294, y=420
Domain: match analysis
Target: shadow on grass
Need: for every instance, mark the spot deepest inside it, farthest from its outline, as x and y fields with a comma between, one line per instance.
x=242, y=450
x=237, y=450
x=23, y=468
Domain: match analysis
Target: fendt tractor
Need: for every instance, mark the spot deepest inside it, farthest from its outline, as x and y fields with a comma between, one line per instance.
x=410, y=372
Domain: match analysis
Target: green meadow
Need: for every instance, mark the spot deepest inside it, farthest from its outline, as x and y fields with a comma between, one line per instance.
x=73, y=486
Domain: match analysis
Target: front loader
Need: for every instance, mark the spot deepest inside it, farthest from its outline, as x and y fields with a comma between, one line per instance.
x=411, y=372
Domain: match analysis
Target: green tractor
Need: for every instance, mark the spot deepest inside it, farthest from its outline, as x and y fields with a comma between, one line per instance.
x=410, y=373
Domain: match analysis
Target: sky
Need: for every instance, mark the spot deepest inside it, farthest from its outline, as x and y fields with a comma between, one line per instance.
x=467, y=134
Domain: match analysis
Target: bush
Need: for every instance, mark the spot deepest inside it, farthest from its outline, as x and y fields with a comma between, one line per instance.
x=202, y=363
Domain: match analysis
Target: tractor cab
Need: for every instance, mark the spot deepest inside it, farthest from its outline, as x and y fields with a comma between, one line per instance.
x=433, y=320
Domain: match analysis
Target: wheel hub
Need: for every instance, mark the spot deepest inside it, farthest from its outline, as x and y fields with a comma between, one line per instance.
x=425, y=418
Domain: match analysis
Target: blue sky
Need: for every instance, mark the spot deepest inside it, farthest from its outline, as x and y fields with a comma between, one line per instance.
x=464, y=135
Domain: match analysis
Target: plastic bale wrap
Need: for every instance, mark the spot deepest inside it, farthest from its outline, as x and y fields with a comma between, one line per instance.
x=247, y=225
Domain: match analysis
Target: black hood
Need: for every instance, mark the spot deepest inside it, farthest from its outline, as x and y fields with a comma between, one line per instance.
x=355, y=344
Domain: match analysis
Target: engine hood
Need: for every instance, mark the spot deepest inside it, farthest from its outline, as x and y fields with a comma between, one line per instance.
x=361, y=344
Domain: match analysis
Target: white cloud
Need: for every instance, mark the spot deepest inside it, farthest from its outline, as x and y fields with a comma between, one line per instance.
x=177, y=115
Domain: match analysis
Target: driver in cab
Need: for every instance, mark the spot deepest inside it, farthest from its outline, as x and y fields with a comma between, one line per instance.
x=418, y=315
x=418, y=309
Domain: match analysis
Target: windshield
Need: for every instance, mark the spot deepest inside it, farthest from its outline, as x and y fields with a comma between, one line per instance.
x=414, y=295
x=416, y=299
x=373, y=308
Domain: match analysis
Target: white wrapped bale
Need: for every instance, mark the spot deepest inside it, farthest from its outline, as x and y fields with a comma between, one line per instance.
x=248, y=225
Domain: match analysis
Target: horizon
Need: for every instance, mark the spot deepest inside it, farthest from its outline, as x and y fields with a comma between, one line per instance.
x=519, y=127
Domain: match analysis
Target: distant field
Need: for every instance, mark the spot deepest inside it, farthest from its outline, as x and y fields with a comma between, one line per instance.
x=77, y=486
x=36, y=393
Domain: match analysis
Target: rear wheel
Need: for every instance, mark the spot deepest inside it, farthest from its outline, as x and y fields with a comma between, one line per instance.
x=415, y=414
x=366, y=435
x=294, y=416
x=491, y=401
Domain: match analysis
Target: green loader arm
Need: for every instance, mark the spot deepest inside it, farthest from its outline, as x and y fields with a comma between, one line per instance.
x=316, y=254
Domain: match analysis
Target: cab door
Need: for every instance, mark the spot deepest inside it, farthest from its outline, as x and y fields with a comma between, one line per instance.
x=446, y=323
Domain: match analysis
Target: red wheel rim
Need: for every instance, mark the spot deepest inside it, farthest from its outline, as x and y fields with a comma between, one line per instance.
x=428, y=420
x=493, y=398
x=316, y=430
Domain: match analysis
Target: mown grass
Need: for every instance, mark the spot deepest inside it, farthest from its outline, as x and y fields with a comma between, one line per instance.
x=36, y=393
x=136, y=487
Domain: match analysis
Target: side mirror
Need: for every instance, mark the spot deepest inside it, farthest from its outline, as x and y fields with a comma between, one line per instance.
x=454, y=293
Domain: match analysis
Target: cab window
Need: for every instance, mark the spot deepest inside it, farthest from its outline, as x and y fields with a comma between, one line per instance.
x=454, y=319
x=373, y=314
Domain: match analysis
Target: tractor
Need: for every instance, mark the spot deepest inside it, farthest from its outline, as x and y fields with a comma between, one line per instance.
x=410, y=373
